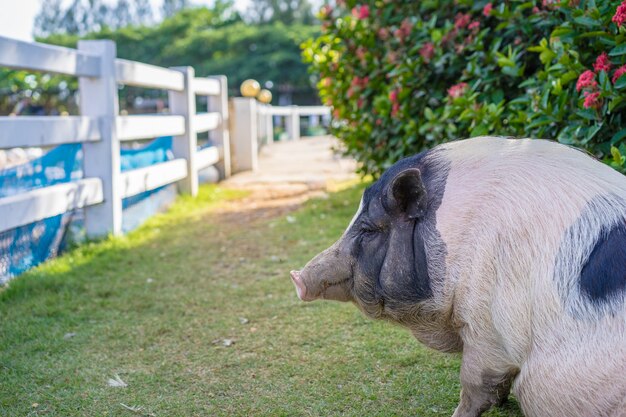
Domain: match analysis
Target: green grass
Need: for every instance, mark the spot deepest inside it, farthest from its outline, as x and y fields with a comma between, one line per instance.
x=155, y=307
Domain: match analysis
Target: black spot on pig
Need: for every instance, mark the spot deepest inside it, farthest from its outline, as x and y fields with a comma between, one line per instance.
x=604, y=274
x=398, y=252
x=590, y=267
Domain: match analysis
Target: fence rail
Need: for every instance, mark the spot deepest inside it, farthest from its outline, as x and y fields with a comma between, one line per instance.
x=253, y=127
x=100, y=129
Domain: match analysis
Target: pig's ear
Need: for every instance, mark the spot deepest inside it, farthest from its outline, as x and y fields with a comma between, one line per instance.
x=406, y=193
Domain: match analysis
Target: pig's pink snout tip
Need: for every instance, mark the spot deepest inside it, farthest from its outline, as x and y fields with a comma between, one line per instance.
x=300, y=287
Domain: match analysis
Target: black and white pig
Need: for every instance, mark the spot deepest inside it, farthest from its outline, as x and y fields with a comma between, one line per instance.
x=511, y=251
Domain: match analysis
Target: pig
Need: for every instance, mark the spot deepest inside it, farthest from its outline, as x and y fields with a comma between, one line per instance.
x=511, y=251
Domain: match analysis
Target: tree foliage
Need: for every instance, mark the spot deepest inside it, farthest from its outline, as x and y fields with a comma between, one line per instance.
x=285, y=11
x=213, y=41
x=83, y=16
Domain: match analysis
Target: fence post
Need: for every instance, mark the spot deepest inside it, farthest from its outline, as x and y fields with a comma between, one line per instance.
x=269, y=125
x=98, y=98
x=244, y=127
x=261, y=128
x=221, y=135
x=183, y=103
x=293, y=124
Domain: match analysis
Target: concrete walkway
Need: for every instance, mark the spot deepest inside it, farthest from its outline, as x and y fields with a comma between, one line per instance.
x=289, y=174
x=297, y=167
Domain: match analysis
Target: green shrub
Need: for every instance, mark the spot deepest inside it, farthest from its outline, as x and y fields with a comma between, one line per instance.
x=403, y=76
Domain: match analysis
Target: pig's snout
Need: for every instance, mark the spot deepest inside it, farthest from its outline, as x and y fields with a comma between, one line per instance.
x=327, y=276
x=300, y=287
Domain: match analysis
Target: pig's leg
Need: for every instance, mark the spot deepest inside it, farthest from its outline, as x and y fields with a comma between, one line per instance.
x=481, y=385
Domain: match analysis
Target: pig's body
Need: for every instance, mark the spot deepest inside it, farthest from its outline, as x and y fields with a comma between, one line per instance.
x=516, y=241
x=513, y=251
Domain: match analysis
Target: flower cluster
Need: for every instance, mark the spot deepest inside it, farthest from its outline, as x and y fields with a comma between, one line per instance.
x=395, y=105
x=405, y=76
x=361, y=12
x=427, y=51
x=457, y=90
x=586, y=80
x=592, y=100
x=602, y=63
x=487, y=9
x=462, y=20
x=618, y=73
x=620, y=14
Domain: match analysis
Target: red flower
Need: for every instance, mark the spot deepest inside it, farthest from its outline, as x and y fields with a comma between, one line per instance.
x=462, y=20
x=620, y=14
x=487, y=9
x=449, y=36
x=360, y=52
x=406, y=27
x=383, y=33
x=427, y=51
x=475, y=25
x=457, y=90
x=393, y=96
x=359, y=82
x=586, y=80
x=602, y=63
x=326, y=10
x=361, y=12
x=360, y=102
x=591, y=100
x=395, y=108
x=536, y=10
x=618, y=73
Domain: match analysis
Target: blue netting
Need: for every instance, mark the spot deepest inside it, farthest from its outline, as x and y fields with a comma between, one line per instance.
x=29, y=245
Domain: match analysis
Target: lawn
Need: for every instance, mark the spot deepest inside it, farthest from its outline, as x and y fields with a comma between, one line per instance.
x=196, y=314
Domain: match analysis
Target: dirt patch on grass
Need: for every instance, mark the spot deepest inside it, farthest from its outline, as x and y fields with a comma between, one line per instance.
x=268, y=201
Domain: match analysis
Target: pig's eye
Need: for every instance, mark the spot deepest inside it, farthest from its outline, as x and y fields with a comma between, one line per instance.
x=368, y=229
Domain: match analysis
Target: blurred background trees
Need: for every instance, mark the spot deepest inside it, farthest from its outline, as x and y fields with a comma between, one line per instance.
x=262, y=42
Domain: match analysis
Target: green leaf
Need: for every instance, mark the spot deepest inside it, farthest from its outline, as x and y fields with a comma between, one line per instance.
x=617, y=156
x=479, y=130
x=587, y=21
x=618, y=50
x=618, y=136
x=616, y=103
x=592, y=132
x=561, y=31
x=621, y=82
x=594, y=34
x=587, y=114
x=540, y=121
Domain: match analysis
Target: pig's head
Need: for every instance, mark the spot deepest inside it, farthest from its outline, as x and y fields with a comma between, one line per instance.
x=386, y=257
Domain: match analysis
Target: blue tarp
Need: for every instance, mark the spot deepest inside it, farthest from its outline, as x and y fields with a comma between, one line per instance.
x=29, y=245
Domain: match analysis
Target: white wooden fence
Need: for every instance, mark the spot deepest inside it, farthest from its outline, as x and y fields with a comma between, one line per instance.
x=253, y=126
x=101, y=129
x=292, y=115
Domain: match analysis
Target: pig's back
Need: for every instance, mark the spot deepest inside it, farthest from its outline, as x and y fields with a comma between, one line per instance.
x=533, y=231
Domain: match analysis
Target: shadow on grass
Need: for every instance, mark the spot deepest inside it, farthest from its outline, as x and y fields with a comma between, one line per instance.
x=196, y=314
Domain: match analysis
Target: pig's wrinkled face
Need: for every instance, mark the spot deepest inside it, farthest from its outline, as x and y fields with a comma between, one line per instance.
x=380, y=262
